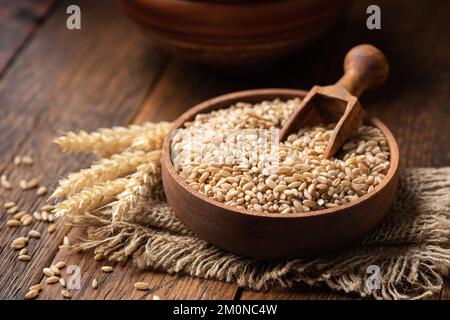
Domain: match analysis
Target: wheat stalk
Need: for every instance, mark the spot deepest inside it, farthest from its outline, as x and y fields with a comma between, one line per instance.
x=139, y=186
x=151, y=139
x=105, y=141
x=117, y=166
x=91, y=198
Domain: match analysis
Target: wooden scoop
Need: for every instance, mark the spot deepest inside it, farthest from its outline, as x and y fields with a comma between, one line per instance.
x=365, y=67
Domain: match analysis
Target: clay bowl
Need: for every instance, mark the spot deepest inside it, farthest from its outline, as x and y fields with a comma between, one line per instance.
x=233, y=32
x=269, y=235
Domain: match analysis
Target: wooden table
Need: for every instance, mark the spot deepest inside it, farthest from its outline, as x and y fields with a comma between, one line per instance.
x=53, y=79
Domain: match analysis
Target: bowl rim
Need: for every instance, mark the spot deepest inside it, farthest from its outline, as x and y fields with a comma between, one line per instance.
x=271, y=92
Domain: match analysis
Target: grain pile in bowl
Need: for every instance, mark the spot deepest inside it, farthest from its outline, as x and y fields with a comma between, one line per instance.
x=218, y=154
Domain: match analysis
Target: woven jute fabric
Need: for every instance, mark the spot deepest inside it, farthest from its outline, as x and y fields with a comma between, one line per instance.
x=410, y=249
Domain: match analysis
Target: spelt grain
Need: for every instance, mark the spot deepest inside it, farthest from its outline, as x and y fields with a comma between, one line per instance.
x=9, y=205
x=66, y=294
x=19, y=243
x=52, y=280
x=32, y=294
x=141, y=286
x=13, y=223
x=37, y=287
x=51, y=228
x=94, y=284
x=24, y=257
x=37, y=216
x=107, y=269
x=34, y=234
x=41, y=191
x=12, y=210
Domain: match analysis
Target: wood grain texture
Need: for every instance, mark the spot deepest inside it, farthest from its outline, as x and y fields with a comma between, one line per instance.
x=18, y=20
x=64, y=80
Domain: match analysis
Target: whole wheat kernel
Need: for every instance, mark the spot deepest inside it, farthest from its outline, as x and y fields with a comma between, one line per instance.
x=94, y=284
x=19, y=243
x=9, y=204
x=66, y=294
x=52, y=280
x=34, y=234
x=13, y=223
x=41, y=191
x=24, y=257
x=107, y=269
x=51, y=228
x=141, y=285
x=32, y=294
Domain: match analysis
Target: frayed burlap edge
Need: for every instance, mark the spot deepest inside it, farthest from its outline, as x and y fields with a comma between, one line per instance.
x=411, y=248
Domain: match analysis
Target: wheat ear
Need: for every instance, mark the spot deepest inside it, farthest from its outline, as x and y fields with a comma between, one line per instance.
x=91, y=198
x=151, y=139
x=105, y=141
x=118, y=165
x=139, y=186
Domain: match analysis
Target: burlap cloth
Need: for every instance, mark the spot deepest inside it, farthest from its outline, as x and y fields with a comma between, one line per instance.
x=411, y=247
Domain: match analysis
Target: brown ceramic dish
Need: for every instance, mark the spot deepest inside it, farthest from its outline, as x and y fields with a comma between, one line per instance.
x=238, y=32
x=271, y=235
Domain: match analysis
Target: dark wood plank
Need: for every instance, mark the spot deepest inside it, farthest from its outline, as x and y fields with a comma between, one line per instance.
x=18, y=20
x=64, y=80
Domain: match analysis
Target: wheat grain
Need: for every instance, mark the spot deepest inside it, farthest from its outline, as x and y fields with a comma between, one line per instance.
x=24, y=257
x=155, y=297
x=19, y=215
x=94, y=284
x=17, y=160
x=44, y=215
x=9, y=205
x=66, y=241
x=52, y=280
x=12, y=223
x=104, y=142
x=41, y=191
x=47, y=272
x=98, y=257
x=32, y=294
x=296, y=178
x=37, y=216
x=34, y=234
x=12, y=210
x=60, y=265
x=23, y=251
x=37, y=287
x=19, y=243
x=66, y=294
x=62, y=282
x=118, y=165
x=51, y=228
x=4, y=182
x=91, y=198
x=141, y=286
x=27, y=160
x=107, y=269
x=33, y=183
x=48, y=207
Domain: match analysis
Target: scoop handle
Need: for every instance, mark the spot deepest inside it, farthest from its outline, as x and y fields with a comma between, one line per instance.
x=365, y=68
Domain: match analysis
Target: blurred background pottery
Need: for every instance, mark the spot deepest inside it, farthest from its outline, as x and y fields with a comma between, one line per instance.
x=235, y=32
